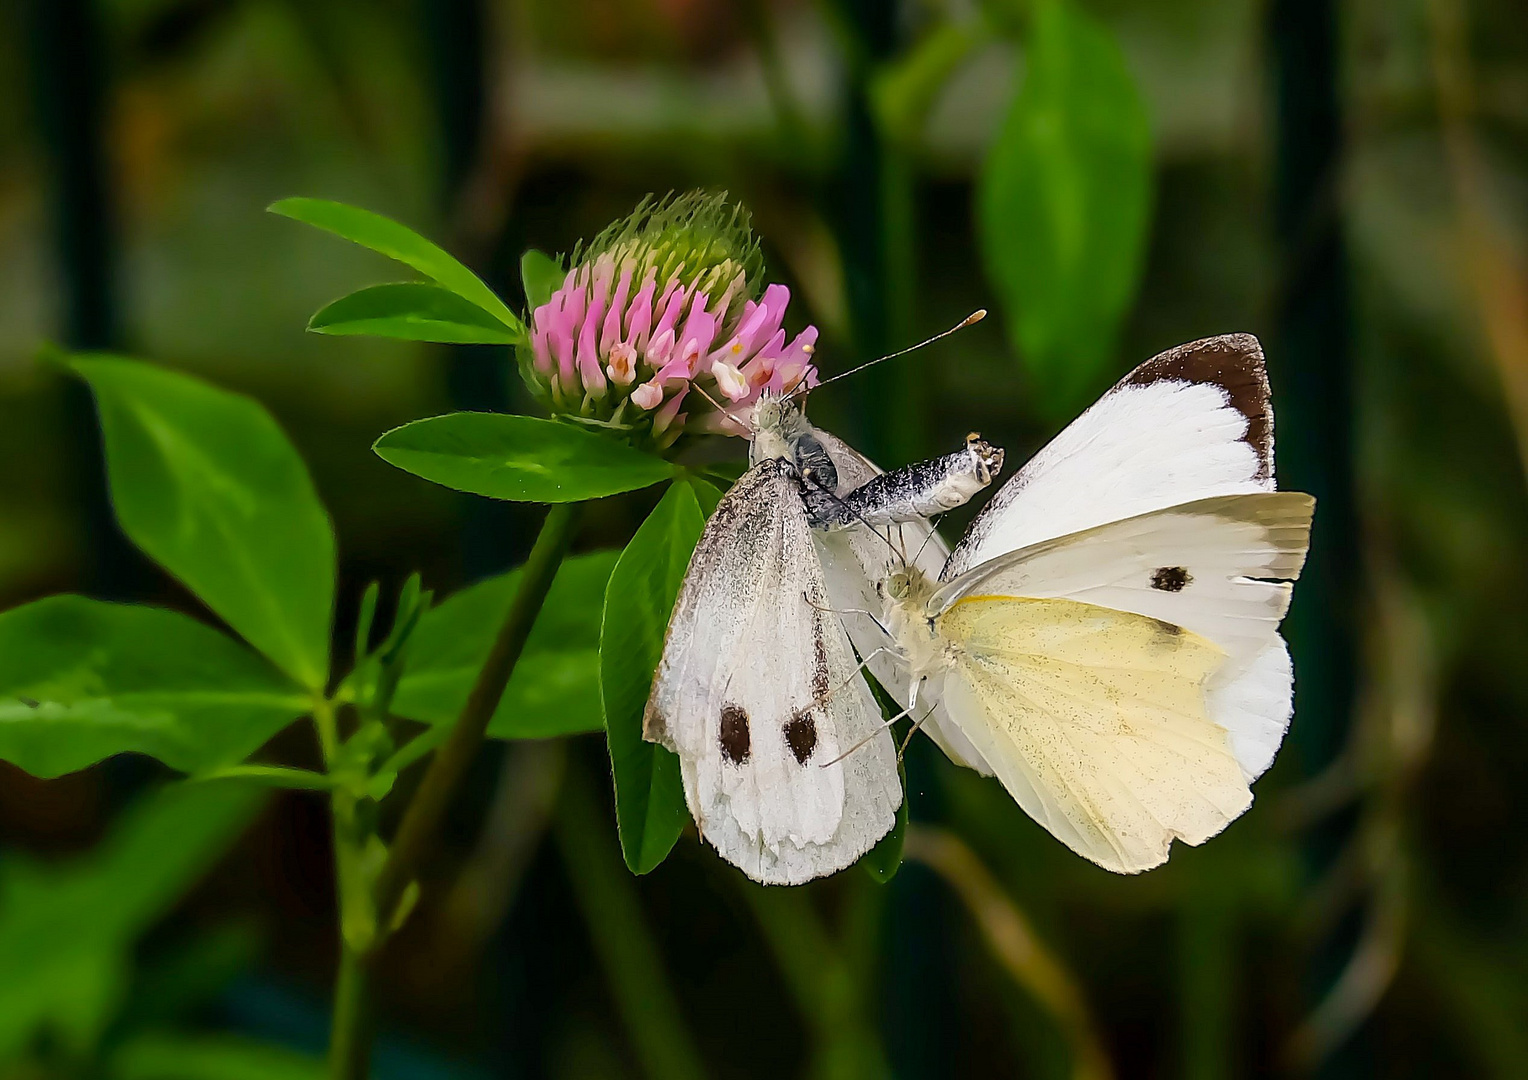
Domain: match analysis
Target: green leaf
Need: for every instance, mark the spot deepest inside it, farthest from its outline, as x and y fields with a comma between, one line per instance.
x=884, y=860
x=649, y=795
x=519, y=458
x=210, y=1057
x=906, y=89
x=207, y=484
x=399, y=242
x=81, y=680
x=414, y=311
x=66, y=931
x=1063, y=205
x=555, y=687
x=541, y=275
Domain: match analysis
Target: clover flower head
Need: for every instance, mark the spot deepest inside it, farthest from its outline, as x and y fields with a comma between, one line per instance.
x=662, y=303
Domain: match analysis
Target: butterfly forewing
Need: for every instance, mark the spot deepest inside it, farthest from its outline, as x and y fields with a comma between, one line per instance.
x=1191, y=423
x=758, y=692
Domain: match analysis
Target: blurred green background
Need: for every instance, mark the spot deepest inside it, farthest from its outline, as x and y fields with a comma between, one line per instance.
x=1348, y=180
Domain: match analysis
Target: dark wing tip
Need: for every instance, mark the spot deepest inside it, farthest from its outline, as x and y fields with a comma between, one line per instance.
x=1233, y=362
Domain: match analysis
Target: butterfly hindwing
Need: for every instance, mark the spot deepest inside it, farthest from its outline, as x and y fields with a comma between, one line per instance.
x=1221, y=568
x=1096, y=722
x=758, y=691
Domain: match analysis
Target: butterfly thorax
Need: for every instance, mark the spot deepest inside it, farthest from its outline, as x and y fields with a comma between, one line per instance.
x=907, y=594
x=781, y=430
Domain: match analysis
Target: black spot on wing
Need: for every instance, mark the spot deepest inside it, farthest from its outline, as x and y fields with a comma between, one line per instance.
x=801, y=735
x=1170, y=578
x=735, y=740
x=1167, y=628
x=1233, y=362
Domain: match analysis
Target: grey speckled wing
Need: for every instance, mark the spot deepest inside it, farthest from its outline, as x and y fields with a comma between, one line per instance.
x=758, y=691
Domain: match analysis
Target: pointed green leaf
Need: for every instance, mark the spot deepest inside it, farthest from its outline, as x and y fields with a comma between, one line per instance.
x=649, y=795
x=413, y=311
x=519, y=458
x=555, y=686
x=541, y=275
x=206, y=483
x=399, y=242
x=1063, y=205
x=81, y=680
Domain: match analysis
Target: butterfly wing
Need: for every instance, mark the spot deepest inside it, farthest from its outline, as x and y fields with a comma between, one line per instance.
x=758, y=689
x=1189, y=424
x=855, y=560
x=1192, y=423
x=1096, y=722
x=1220, y=568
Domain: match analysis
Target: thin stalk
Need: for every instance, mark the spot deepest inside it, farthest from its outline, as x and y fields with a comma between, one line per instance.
x=428, y=807
x=350, y=1034
x=622, y=940
x=1015, y=945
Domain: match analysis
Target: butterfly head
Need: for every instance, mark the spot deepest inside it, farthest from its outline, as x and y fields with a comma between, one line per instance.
x=776, y=424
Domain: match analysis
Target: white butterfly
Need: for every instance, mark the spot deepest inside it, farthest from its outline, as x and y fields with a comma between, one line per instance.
x=1105, y=637
x=759, y=691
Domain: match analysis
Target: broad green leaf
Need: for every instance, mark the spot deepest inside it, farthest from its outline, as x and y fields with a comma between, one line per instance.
x=67, y=930
x=207, y=484
x=414, y=311
x=519, y=458
x=81, y=680
x=1063, y=205
x=541, y=275
x=399, y=242
x=555, y=687
x=649, y=795
x=210, y=1057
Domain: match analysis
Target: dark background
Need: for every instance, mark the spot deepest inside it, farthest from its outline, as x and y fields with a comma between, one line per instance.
x=1347, y=180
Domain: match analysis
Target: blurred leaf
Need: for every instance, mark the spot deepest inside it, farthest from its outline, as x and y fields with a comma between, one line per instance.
x=649, y=795
x=1063, y=204
x=519, y=458
x=414, y=311
x=66, y=931
x=215, y=1057
x=81, y=680
x=555, y=686
x=178, y=982
x=399, y=242
x=884, y=860
x=906, y=89
x=207, y=484
x=541, y=275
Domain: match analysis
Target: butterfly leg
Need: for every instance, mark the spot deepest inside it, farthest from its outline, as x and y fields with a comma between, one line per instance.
x=862, y=664
x=851, y=611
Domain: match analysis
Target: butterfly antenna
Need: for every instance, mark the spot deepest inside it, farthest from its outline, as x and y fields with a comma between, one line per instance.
x=932, y=532
x=970, y=320
x=719, y=407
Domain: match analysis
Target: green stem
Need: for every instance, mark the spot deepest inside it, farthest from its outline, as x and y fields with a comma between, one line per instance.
x=275, y=775
x=349, y=1037
x=428, y=807
x=622, y=940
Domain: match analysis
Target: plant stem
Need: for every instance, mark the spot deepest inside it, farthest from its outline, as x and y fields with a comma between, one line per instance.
x=428, y=807
x=1015, y=945
x=612, y=909
x=349, y=1033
